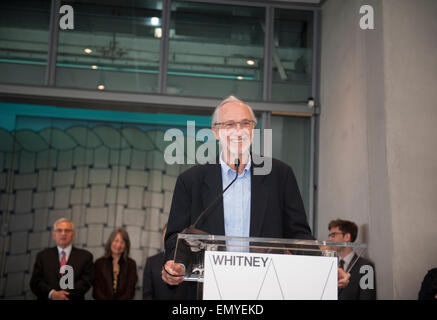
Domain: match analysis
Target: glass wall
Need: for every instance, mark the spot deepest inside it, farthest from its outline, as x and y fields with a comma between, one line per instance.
x=216, y=50
x=292, y=55
x=113, y=46
x=291, y=144
x=24, y=35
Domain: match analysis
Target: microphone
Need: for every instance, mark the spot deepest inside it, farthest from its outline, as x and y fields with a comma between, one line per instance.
x=186, y=245
x=192, y=228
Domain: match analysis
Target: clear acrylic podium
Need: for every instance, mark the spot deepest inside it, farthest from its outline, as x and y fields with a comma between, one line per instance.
x=316, y=256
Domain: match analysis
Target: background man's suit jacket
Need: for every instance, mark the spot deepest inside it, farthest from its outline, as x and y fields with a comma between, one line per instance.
x=46, y=276
x=428, y=289
x=277, y=208
x=353, y=290
x=153, y=286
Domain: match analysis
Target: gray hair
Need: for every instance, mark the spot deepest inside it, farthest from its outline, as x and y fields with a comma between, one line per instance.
x=231, y=98
x=63, y=220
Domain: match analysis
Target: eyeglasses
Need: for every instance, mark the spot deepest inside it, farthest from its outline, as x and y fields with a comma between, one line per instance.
x=228, y=125
x=332, y=234
x=63, y=230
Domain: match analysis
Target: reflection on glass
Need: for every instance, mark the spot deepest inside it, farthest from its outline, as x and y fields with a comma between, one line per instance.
x=24, y=38
x=292, y=55
x=112, y=47
x=291, y=144
x=216, y=50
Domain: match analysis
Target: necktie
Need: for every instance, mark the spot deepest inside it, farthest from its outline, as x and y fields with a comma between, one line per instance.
x=63, y=260
x=341, y=264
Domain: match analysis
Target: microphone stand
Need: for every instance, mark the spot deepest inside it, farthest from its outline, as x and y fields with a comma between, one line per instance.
x=192, y=228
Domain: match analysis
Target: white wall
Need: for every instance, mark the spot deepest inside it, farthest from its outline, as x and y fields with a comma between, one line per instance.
x=377, y=162
x=343, y=176
x=410, y=29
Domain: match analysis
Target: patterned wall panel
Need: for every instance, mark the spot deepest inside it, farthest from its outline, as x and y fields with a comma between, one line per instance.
x=101, y=178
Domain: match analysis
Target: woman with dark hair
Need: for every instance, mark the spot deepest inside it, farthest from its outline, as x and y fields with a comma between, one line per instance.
x=115, y=274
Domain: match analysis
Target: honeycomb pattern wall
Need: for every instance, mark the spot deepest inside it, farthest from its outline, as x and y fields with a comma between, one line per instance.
x=102, y=178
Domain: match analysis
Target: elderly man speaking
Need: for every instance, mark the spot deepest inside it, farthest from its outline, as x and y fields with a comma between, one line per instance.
x=267, y=205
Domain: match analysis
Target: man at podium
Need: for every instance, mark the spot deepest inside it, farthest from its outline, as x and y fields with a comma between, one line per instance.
x=252, y=205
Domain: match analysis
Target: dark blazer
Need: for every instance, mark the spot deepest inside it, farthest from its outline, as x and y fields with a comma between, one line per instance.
x=428, y=289
x=353, y=291
x=153, y=286
x=103, y=279
x=277, y=209
x=46, y=276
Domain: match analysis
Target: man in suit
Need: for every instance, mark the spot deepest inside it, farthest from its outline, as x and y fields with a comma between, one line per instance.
x=267, y=205
x=153, y=286
x=428, y=289
x=46, y=276
x=350, y=262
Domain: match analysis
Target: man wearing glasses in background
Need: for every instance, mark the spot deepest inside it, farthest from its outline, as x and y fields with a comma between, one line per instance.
x=46, y=271
x=350, y=262
x=266, y=205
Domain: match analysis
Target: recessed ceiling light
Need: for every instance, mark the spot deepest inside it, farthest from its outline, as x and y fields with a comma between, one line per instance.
x=250, y=62
x=158, y=33
x=154, y=21
x=100, y=87
x=94, y=67
x=87, y=50
x=240, y=78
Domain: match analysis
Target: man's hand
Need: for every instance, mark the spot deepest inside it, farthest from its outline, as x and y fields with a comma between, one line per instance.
x=343, y=278
x=175, y=269
x=60, y=295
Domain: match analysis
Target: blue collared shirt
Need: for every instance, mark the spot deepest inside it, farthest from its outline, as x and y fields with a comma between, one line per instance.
x=236, y=200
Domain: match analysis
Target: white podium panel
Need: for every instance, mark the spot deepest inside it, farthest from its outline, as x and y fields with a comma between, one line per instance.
x=260, y=276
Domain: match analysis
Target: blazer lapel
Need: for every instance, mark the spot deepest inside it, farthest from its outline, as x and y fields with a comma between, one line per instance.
x=213, y=187
x=72, y=256
x=108, y=274
x=352, y=263
x=56, y=262
x=258, y=203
